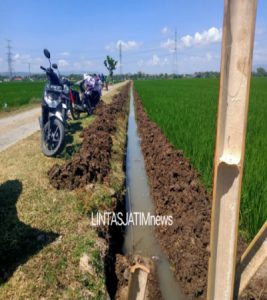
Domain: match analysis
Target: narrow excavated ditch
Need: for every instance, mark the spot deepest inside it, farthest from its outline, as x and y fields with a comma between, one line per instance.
x=177, y=190
x=140, y=240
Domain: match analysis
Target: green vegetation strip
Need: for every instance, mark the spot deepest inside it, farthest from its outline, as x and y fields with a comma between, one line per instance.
x=186, y=112
x=16, y=94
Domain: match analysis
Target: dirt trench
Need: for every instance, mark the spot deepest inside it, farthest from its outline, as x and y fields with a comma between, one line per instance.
x=176, y=190
x=92, y=164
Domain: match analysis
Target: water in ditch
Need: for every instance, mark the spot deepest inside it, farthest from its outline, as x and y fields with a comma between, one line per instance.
x=141, y=239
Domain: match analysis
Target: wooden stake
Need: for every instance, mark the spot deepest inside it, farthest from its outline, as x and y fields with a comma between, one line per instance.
x=237, y=48
x=253, y=259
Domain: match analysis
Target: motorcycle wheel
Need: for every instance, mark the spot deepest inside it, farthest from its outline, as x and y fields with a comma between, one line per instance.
x=52, y=137
x=74, y=112
x=89, y=108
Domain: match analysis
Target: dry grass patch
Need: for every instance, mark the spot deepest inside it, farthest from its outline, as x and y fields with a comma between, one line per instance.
x=43, y=232
x=107, y=97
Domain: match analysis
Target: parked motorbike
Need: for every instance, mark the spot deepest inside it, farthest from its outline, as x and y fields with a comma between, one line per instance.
x=74, y=104
x=91, y=89
x=55, y=105
x=88, y=97
x=80, y=102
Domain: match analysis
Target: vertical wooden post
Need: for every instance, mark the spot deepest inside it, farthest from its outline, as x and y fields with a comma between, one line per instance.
x=237, y=48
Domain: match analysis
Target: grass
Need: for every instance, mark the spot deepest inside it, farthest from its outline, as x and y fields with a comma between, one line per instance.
x=186, y=112
x=17, y=94
x=45, y=232
x=73, y=141
x=17, y=97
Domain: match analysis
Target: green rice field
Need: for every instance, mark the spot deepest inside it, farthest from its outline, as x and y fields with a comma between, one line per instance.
x=16, y=94
x=186, y=112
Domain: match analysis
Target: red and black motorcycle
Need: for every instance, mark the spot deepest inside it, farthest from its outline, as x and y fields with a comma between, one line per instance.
x=79, y=104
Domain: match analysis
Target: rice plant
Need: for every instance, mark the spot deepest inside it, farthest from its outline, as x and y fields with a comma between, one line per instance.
x=16, y=94
x=186, y=111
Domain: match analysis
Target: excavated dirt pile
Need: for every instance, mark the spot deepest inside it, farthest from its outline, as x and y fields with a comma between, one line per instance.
x=92, y=162
x=176, y=191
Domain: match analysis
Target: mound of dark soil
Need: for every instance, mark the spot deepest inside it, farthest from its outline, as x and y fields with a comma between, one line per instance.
x=92, y=162
x=176, y=191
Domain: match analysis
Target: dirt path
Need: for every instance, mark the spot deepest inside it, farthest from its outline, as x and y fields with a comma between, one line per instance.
x=17, y=127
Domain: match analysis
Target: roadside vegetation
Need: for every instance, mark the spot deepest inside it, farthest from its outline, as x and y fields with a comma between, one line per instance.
x=186, y=112
x=16, y=94
x=22, y=95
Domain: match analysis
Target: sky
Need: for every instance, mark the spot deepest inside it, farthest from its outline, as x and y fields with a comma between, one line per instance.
x=79, y=34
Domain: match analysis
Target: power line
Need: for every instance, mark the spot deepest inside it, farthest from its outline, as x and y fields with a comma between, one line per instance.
x=120, y=60
x=175, y=67
x=10, y=59
x=159, y=56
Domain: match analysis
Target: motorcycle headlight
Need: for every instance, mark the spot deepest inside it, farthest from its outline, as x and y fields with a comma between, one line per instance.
x=51, y=99
x=66, y=89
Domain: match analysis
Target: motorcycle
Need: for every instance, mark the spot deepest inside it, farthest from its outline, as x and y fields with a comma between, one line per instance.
x=55, y=106
x=85, y=101
x=91, y=89
x=80, y=104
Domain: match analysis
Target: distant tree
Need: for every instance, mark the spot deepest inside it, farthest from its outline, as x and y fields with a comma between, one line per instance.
x=140, y=74
x=110, y=64
x=261, y=72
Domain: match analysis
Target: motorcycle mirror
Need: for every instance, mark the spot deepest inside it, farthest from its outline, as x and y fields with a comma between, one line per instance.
x=47, y=53
x=54, y=66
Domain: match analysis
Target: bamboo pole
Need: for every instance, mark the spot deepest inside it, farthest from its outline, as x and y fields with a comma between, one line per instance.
x=236, y=60
x=252, y=260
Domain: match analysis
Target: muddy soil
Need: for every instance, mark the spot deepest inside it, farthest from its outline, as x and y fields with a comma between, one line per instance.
x=176, y=190
x=92, y=162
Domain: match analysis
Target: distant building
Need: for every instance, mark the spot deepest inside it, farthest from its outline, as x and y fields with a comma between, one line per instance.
x=17, y=78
